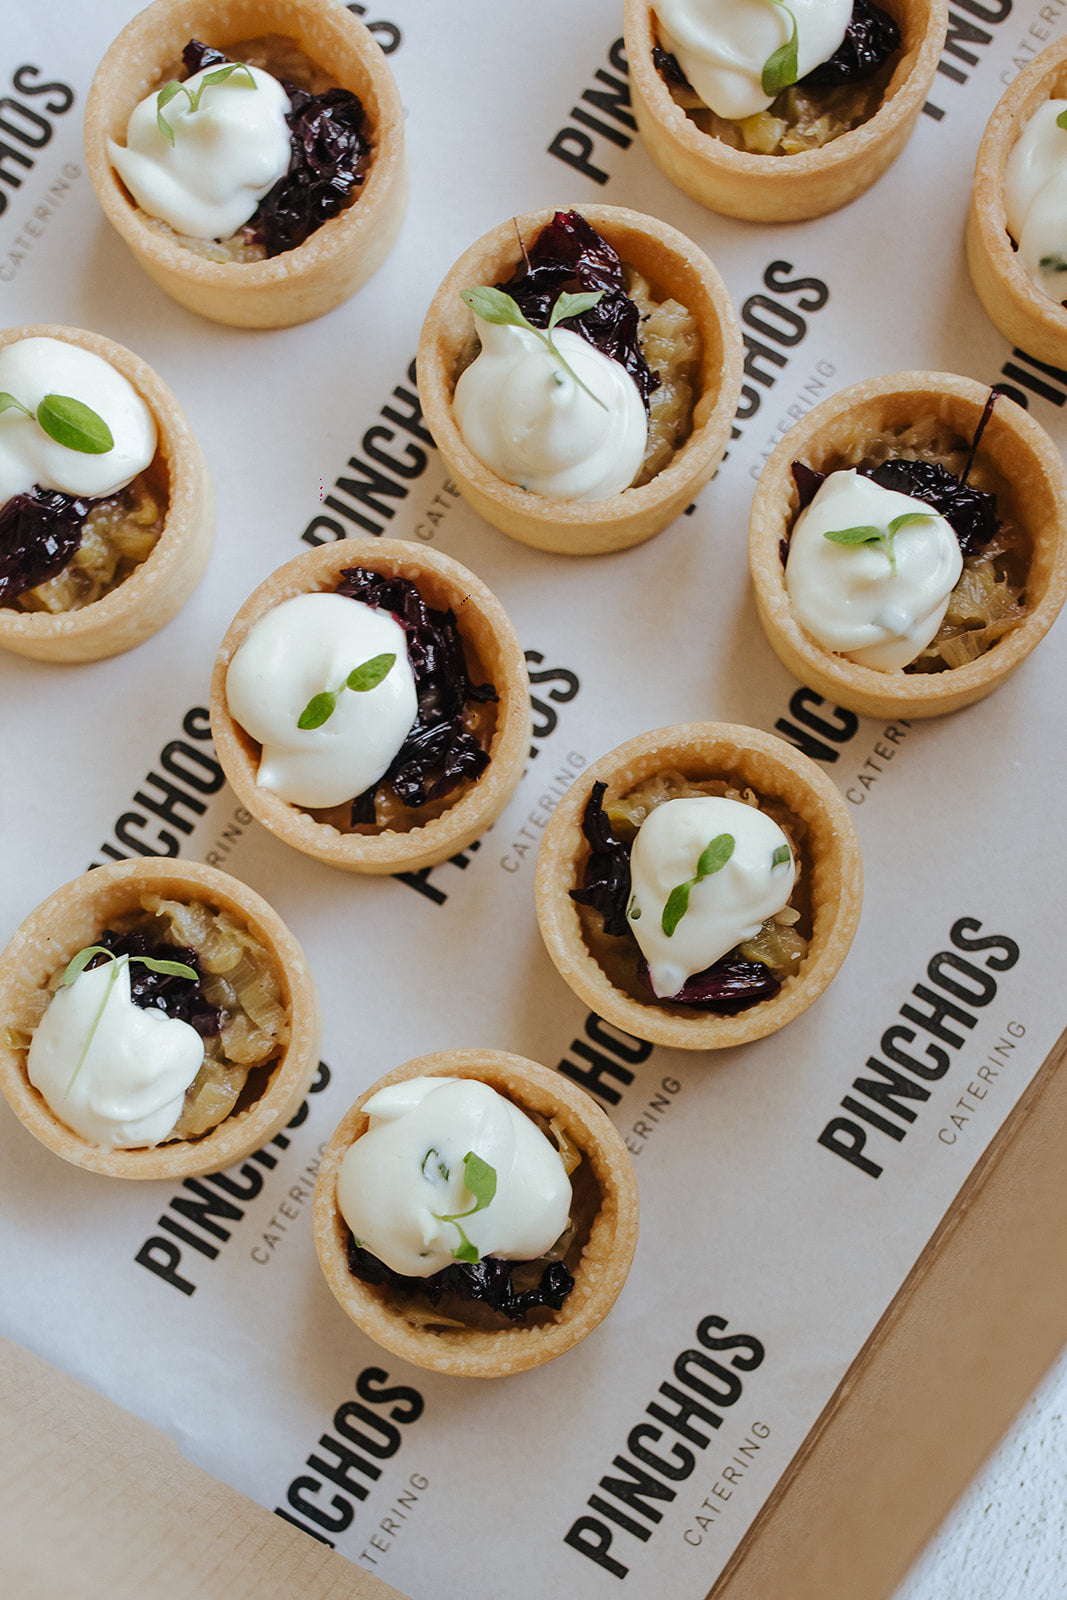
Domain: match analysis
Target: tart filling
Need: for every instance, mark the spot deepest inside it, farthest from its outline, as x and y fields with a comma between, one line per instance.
x=775, y=79
x=83, y=492
x=159, y=1029
x=245, y=155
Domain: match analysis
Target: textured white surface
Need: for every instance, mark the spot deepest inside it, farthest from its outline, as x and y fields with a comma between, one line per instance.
x=1007, y=1537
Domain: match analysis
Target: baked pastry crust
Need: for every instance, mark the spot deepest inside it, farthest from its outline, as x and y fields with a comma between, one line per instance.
x=1014, y=445
x=606, y=1258
x=748, y=758
x=72, y=918
x=675, y=268
x=157, y=589
x=482, y=622
x=339, y=257
x=784, y=188
x=1023, y=313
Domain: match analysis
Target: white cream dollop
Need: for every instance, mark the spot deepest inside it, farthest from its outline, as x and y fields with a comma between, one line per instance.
x=299, y=649
x=524, y=417
x=722, y=46
x=848, y=597
x=130, y=1086
x=33, y=368
x=226, y=155
x=725, y=908
x=1035, y=198
x=406, y=1172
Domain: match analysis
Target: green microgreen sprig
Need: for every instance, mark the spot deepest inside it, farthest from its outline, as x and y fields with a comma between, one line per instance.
x=321, y=707
x=1061, y=121
x=68, y=421
x=781, y=856
x=172, y=969
x=780, y=68
x=494, y=306
x=480, y=1179
x=712, y=859
x=169, y=90
x=868, y=534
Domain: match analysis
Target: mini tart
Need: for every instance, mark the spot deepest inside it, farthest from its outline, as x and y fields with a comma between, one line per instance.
x=676, y=269
x=157, y=589
x=1013, y=444
x=598, y=1277
x=784, y=188
x=1023, y=313
x=334, y=261
x=74, y=917
x=482, y=623
x=747, y=758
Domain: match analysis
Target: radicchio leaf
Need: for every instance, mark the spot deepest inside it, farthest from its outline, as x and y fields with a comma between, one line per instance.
x=488, y=1281
x=730, y=985
x=438, y=753
x=606, y=878
x=871, y=38
x=570, y=256
x=40, y=533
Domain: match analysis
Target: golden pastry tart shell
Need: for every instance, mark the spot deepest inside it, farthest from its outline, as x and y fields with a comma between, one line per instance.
x=157, y=589
x=74, y=917
x=606, y=1258
x=482, y=622
x=1023, y=313
x=341, y=255
x=784, y=188
x=745, y=757
x=1013, y=443
x=676, y=269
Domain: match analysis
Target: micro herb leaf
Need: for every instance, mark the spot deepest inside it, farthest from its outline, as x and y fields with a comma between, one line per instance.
x=170, y=969
x=713, y=858
x=9, y=403
x=781, y=856
x=866, y=534
x=480, y=1179
x=906, y=517
x=73, y=424
x=370, y=674
x=780, y=68
x=633, y=911
x=498, y=308
x=1061, y=121
x=432, y=1159
x=860, y=535
x=76, y=967
x=169, y=90
x=319, y=709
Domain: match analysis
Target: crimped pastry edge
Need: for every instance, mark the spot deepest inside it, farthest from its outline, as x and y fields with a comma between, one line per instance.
x=481, y=619
x=606, y=1259
x=706, y=750
x=71, y=918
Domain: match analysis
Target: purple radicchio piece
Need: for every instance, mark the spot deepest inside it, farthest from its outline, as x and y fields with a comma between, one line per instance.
x=728, y=986
x=569, y=256
x=178, y=997
x=487, y=1281
x=870, y=39
x=40, y=533
x=438, y=753
x=606, y=878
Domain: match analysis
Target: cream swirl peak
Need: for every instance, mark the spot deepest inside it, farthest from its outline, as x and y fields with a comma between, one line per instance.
x=229, y=148
x=402, y=1186
x=722, y=46
x=1035, y=198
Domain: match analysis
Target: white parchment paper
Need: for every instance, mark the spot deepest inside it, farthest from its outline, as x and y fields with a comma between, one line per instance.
x=223, y=1331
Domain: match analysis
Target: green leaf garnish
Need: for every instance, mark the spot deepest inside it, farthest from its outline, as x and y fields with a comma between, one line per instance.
x=71, y=423
x=633, y=910
x=433, y=1159
x=1061, y=121
x=713, y=858
x=867, y=534
x=320, y=708
x=75, y=968
x=68, y=421
x=781, y=856
x=780, y=68
x=170, y=969
x=169, y=90
x=494, y=306
x=480, y=1179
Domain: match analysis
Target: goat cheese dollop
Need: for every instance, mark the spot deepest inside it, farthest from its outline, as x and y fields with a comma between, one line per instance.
x=722, y=46
x=404, y=1176
x=225, y=157
x=523, y=415
x=34, y=368
x=1035, y=198
x=727, y=906
x=878, y=603
x=138, y=1062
